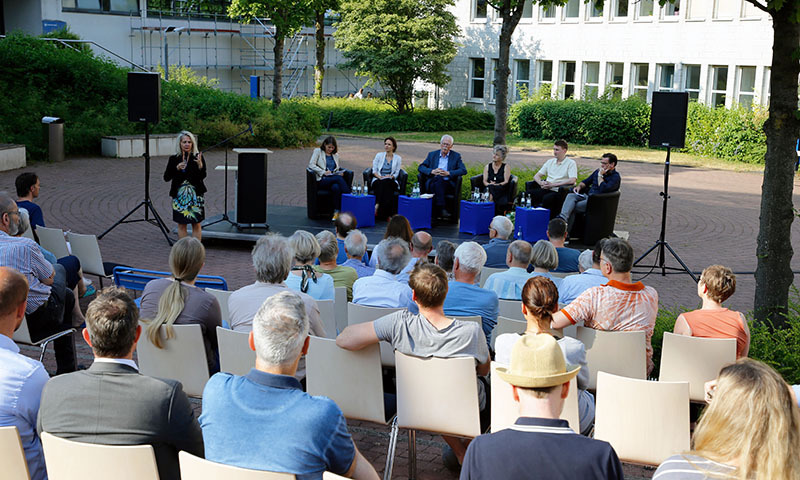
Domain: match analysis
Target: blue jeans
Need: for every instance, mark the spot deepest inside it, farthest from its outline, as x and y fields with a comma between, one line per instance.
x=337, y=186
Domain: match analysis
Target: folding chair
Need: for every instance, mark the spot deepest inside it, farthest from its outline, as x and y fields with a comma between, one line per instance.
x=327, y=313
x=12, y=456
x=235, y=355
x=183, y=358
x=618, y=353
x=361, y=314
x=695, y=360
x=69, y=460
x=511, y=309
x=487, y=271
x=196, y=468
x=86, y=248
x=52, y=240
x=23, y=336
x=507, y=325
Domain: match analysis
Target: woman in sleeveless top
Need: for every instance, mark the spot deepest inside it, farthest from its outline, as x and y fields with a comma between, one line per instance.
x=385, y=168
x=497, y=177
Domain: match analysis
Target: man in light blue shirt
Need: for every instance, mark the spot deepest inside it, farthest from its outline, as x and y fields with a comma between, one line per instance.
x=421, y=246
x=355, y=246
x=383, y=289
x=464, y=298
x=591, y=276
x=508, y=285
x=500, y=230
x=21, y=378
x=345, y=223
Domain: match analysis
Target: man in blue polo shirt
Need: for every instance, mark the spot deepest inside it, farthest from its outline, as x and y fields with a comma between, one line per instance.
x=539, y=444
x=264, y=420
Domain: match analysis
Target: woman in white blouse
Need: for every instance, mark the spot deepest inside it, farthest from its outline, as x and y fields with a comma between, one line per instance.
x=385, y=168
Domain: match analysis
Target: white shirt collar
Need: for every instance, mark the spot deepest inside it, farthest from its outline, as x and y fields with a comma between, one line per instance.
x=121, y=361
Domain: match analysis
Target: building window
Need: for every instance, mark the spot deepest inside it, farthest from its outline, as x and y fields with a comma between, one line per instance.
x=572, y=9
x=479, y=9
x=672, y=9
x=691, y=81
x=666, y=77
x=594, y=12
x=567, y=70
x=477, y=76
x=591, y=80
x=726, y=9
x=749, y=10
x=493, y=81
x=547, y=13
x=746, y=86
x=110, y=6
x=545, y=75
x=765, y=91
x=522, y=79
x=639, y=83
x=719, y=85
x=697, y=9
x=614, y=76
x=644, y=9
x=527, y=9
x=620, y=8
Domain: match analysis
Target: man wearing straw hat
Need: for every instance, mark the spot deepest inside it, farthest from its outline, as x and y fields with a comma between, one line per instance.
x=539, y=444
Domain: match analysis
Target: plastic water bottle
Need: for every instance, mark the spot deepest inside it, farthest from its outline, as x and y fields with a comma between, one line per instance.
x=415, y=191
x=519, y=233
x=486, y=197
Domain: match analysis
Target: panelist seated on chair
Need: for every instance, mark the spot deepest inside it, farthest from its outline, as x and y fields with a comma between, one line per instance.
x=539, y=444
x=264, y=420
x=559, y=171
x=442, y=168
x=383, y=288
x=324, y=162
x=111, y=403
x=605, y=179
x=385, y=169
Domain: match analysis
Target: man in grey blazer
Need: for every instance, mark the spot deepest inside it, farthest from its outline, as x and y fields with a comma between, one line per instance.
x=111, y=403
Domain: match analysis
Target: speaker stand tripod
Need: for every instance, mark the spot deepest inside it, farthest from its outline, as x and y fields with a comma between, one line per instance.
x=147, y=204
x=661, y=244
x=225, y=217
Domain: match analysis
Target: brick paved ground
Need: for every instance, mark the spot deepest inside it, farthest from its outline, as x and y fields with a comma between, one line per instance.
x=707, y=224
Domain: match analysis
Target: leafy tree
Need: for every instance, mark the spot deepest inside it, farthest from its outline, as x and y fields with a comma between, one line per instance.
x=397, y=42
x=320, y=7
x=288, y=17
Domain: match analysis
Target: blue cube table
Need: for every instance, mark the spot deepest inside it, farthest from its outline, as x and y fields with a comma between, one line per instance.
x=476, y=217
x=362, y=206
x=530, y=224
x=416, y=210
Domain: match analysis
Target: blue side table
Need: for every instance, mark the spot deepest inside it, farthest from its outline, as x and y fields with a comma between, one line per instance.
x=476, y=217
x=531, y=224
x=416, y=210
x=362, y=206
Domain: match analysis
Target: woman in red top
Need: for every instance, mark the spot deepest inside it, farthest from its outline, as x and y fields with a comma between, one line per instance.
x=717, y=284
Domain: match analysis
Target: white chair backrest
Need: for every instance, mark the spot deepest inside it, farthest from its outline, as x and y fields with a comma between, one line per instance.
x=694, y=360
x=505, y=410
x=68, y=460
x=86, y=248
x=235, y=355
x=511, y=309
x=507, y=325
x=351, y=379
x=23, y=335
x=437, y=395
x=471, y=318
x=28, y=233
x=52, y=240
x=332, y=476
x=619, y=353
x=222, y=298
x=487, y=271
x=12, y=456
x=570, y=331
x=625, y=416
x=183, y=358
x=340, y=296
x=362, y=314
x=196, y=468
x=327, y=313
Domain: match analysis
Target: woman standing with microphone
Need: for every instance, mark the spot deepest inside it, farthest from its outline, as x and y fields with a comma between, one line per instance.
x=186, y=170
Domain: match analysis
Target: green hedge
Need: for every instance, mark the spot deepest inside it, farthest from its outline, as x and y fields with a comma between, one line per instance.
x=733, y=134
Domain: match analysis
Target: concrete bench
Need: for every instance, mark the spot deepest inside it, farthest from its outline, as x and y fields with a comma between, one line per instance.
x=11, y=156
x=128, y=146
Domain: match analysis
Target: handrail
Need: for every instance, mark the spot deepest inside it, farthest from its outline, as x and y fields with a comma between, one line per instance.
x=66, y=42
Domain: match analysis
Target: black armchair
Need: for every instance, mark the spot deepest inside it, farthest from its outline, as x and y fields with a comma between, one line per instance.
x=402, y=181
x=318, y=204
x=452, y=201
x=477, y=182
x=598, y=221
x=555, y=206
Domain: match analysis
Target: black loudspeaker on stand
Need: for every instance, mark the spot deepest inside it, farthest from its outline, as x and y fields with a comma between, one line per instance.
x=144, y=105
x=667, y=129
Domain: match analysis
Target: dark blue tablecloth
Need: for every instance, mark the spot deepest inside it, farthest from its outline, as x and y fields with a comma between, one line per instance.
x=362, y=206
x=416, y=210
x=532, y=223
x=476, y=217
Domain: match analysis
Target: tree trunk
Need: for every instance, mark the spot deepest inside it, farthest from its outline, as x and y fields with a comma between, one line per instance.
x=319, y=67
x=511, y=19
x=277, y=78
x=774, y=249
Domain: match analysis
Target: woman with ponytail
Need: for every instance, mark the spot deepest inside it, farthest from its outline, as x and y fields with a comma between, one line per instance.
x=539, y=302
x=169, y=301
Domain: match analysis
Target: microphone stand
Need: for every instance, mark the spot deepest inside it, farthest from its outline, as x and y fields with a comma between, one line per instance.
x=225, y=217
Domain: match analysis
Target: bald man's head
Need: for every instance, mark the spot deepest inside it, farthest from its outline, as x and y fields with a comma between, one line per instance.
x=422, y=244
x=13, y=298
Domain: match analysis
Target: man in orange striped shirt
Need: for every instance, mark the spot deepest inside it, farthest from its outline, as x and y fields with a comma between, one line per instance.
x=620, y=304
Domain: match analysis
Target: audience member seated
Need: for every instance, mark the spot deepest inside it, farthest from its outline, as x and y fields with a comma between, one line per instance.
x=177, y=301
x=540, y=444
x=442, y=168
x=464, y=298
x=21, y=378
x=559, y=171
x=508, y=284
x=383, y=289
x=590, y=276
x=605, y=179
x=342, y=276
x=344, y=224
x=399, y=227
x=111, y=403
x=749, y=430
x=324, y=162
x=539, y=302
x=567, y=257
x=712, y=320
x=544, y=259
x=49, y=308
x=619, y=305
x=445, y=255
x=27, y=185
x=264, y=420
x=355, y=246
x=500, y=231
x=421, y=247
x=427, y=334
x=303, y=277
x=497, y=178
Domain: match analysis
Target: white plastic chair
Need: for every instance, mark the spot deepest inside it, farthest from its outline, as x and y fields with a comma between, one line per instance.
x=644, y=421
x=222, y=299
x=340, y=297
x=196, y=468
x=23, y=336
x=12, y=456
x=183, y=358
x=510, y=309
x=694, y=360
x=52, y=240
x=327, y=313
x=615, y=352
x=361, y=314
x=86, y=248
x=69, y=460
x=235, y=355
x=487, y=271
x=507, y=325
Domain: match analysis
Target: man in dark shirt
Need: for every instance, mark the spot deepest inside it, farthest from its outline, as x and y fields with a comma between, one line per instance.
x=539, y=444
x=567, y=257
x=603, y=180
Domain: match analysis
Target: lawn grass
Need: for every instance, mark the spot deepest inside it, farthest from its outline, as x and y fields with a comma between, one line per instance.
x=484, y=138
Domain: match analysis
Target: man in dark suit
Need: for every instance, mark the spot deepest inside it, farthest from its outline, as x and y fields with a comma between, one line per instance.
x=442, y=167
x=111, y=403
